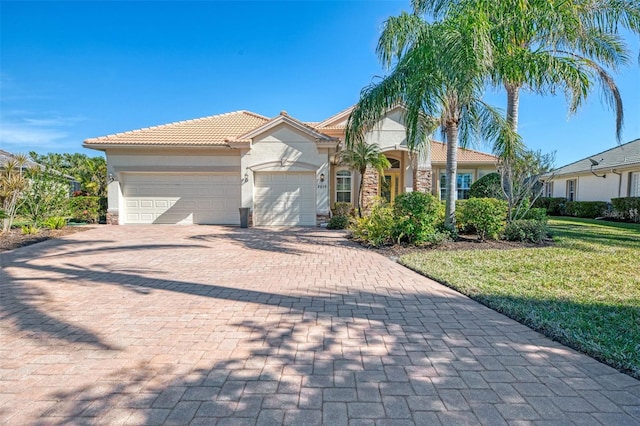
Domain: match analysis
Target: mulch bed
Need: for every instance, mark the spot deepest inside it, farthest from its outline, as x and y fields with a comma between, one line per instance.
x=14, y=238
x=464, y=242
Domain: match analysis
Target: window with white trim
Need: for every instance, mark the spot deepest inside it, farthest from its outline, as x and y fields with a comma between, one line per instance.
x=634, y=184
x=548, y=189
x=463, y=185
x=571, y=189
x=343, y=186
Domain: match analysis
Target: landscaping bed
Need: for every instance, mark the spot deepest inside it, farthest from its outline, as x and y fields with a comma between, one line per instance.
x=583, y=291
x=15, y=238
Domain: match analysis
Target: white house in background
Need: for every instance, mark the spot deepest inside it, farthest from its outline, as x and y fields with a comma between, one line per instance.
x=284, y=170
x=599, y=177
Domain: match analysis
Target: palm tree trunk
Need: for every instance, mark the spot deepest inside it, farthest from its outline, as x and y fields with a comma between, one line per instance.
x=513, y=103
x=413, y=159
x=451, y=130
x=362, y=172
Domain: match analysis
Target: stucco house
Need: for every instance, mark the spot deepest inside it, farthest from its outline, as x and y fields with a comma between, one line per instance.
x=287, y=172
x=609, y=174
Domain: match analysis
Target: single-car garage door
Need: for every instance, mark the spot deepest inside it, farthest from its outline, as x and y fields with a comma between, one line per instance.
x=204, y=198
x=284, y=199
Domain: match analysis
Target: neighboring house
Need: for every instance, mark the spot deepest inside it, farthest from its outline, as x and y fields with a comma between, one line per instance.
x=5, y=156
x=599, y=177
x=286, y=171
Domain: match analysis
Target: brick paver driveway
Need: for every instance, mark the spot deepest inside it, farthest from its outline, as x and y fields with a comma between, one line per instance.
x=214, y=325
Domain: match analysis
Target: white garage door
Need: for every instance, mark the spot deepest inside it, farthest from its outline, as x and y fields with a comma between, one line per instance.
x=181, y=198
x=285, y=199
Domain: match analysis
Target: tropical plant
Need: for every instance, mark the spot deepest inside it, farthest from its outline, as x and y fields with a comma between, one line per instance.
x=520, y=178
x=438, y=71
x=55, y=222
x=12, y=185
x=359, y=156
x=46, y=194
x=376, y=229
x=90, y=172
x=31, y=229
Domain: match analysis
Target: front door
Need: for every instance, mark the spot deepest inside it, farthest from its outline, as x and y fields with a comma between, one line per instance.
x=390, y=185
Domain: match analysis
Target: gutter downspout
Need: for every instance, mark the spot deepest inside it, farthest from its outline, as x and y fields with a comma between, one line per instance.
x=619, y=181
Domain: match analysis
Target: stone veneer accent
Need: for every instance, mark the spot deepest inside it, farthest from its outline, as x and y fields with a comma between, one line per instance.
x=369, y=188
x=322, y=219
x=423, y=180
x=112, y=218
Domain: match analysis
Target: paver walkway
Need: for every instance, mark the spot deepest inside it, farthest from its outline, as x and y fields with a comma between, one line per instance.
x=216, y=325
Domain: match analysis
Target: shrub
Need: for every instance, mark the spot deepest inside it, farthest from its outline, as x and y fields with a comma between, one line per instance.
x=526, y=230
x=343, y=209
x=377, y=228
x=30, y=229
x=628, y=208
x=586, y=209
x=486, y=215
x=85, y=209
x=536, y=214
x=416, y=216
x=488, y=186
x=554, y=205
x=56, y=222
x=338, y=222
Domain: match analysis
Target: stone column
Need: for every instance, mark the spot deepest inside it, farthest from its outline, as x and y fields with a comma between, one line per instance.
x=370, y=188
x=423, y=180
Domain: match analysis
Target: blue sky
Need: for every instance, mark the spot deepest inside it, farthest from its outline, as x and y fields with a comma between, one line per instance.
x=74, y=70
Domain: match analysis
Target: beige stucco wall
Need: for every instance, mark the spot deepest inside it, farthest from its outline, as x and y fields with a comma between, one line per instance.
x=592, y=188
x=282, y=149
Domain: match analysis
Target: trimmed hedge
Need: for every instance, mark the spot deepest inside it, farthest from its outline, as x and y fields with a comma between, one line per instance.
x=527, y=230
x=486, y=215
x=488, y=186
x=628, y=208
x=586, y=209
x=555, y=205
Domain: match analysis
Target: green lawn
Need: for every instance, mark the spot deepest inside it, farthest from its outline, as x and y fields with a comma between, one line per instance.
x=584, y=291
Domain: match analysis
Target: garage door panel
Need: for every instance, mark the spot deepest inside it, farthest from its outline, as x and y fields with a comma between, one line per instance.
x=284, y=199
x=177, y=198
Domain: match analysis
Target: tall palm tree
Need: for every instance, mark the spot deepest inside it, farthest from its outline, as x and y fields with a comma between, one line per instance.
x=437, y=70
x=359, y=156
x=547, y=47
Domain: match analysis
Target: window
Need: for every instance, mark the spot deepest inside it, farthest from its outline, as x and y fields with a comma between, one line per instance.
x=343, y=186
x=571, y=190
x=634, y=184
x=548, y=189
x=463, y=185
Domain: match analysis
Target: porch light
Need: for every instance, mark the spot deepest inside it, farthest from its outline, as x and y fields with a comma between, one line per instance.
x=321, y=177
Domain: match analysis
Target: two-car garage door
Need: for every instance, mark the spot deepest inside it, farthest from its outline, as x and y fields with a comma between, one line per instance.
x=199, y=198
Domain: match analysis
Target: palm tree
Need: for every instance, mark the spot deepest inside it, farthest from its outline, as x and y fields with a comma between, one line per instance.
x=439, y=71
x=359, y=156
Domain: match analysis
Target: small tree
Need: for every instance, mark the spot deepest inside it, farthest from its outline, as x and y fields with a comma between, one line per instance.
x=12, y=185
x=359, y=156
x=520, y=180
x=45, y=196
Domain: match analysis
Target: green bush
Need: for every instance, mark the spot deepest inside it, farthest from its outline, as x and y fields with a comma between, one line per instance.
x=416, y=216
x=86, y=209
x=554, y=205
x=526, y=230
x=377, y=228
x=55, y=222
x=539, y=213
x=488, y=186
x=486, y=215
x=586, y=209
x=628, y=208
x=30, y=229
x=342, y=209
x=338, y=222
